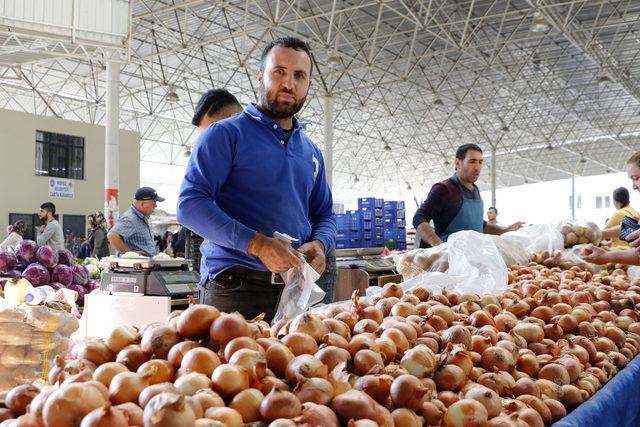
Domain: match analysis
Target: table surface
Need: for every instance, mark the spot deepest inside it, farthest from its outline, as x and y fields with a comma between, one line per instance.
x=617, y=404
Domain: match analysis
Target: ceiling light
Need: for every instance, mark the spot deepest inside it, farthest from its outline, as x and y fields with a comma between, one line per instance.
x=172, y=96
x=187, y=151
x=550, y=146
x=604, y=79
x=387, y=146
x=536, y=63
x=446, y=162
x=526, y=181
x=409, y=186
x=505, y=128
x=355, y=178
x=582, y=159
x=539, y=23
x=438, y=101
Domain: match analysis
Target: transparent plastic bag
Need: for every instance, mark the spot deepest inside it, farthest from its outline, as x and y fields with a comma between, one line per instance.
x=436, y=281
x=300, y=292
x=571, y=258
x=580, y=232
x=415, y=262
x=475, y=257
x=512, y=251
x=537, y=237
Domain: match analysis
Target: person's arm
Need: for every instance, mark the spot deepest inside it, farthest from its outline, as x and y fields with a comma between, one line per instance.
x=45, y=235
x=498, y=230
x=117, y=242
x=426, y=212
x=596, y=255
x=611, y=232
x=208, y=169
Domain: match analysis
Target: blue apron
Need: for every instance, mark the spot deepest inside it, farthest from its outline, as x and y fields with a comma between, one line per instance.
x=469, y=217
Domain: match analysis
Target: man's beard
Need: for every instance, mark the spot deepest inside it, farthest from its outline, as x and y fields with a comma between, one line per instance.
x=273, y=108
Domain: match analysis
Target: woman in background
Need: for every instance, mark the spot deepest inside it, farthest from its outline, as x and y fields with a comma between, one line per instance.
x=621, y=202
x=16, y=231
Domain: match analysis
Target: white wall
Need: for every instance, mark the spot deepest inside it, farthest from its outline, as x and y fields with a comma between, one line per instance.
x=22, y=191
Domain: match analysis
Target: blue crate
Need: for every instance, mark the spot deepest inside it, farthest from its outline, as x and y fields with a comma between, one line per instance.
x=367, y=225
x=367, y=214
x=341, y=234
x=355, y=243
x=355, y=221
x=367, y=235
x=342, y=244
x=354, y=235
x=378, y=212
x=378, y=222
x=379, y=203
x=378, y=241
x=366, y=203
x=389, y=215
x=378, y=229
x=342, y=220
x=394, y=223
x=367, y=244
x=394, y=205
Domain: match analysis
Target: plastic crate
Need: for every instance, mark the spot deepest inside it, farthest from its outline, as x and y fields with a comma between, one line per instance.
x=378, y=212
x=342, y=244
x=402, y=246
x=393, y=205
x=367, y=214
x=367, y=244
x=367, y=225
x=366, y=203
x=355, y=221
x=355, y=243
x=378, y=222
x=343, y=220
x=367, y=235
x=378, y=229
x=354, y=235
x=341, y=234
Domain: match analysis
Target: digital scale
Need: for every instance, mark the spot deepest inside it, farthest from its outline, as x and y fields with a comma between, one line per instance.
x=163, y=277
x=368, y=259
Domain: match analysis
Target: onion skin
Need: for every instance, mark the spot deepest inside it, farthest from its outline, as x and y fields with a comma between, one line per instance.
x=126, y=387
x=201, y=360
x=355, y=405
x=168, y=410
x=20, y=397
x=314, y=415
x=314, y=390
x=105, y=373
x=466, y=412
x=196, y=320
x=407, y=392
x=280, y=404
x=497, y=358
x=134, y=413
x=376, y=386
x=159, y=340
x=488, y=398
x=69, y=404
x=153, y=390
x=177, y=352
x=107, y=416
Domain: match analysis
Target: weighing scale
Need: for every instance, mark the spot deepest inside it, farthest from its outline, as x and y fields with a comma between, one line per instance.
x=368, y=259
x=162, y=277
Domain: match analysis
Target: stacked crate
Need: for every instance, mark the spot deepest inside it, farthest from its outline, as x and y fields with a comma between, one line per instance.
x=370, y=210
x=395, y=233
x=349, y=230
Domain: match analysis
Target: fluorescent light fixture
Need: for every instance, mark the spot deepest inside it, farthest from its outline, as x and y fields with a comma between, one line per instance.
x=539, y=23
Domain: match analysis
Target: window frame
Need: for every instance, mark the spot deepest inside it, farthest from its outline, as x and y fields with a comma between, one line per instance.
x=57, y=149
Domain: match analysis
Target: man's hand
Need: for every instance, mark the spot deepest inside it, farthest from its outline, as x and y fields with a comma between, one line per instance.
x=515, y=226
x=278, y=256
x=314, y=251
x=594, y=255
x=634, y=239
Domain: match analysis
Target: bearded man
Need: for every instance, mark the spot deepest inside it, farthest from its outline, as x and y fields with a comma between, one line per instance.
x=254, y=174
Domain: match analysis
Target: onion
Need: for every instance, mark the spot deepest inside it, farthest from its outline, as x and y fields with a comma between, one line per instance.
x=157, y=371
x=105, y=373
x=107, y=416
x=240, y=343
x=391, y=290
x=178, y=351
x=135, y=415
x=121, y=337
x=365, y=325
x=556, y=408
x=443, y=312
x=330, y=356
x=501, y=384
x=488, y=398
x=505, y=322
x=419, y=361
x=450, y=377
x=18, y=398
x=314, y=415
x=388, y=349
x=466, y=412
x=457, y=335
x=36, y=406
x=572, y=365
x=126, y=387
x=309, y=324
x=550, y=389
x=356, y=405
x=96, y=352
x=247, y=403
x=571, y=396
x=306, y=366
x=80, y=377
x=616, y=335
x=280, y=404
x=168, y=410
x=189, y=383
x=403, y=309
x=529, y=331
x=554, y=372
x=526, y=386
x=153, y=390
x=227, y=416
x=199, y=359
x=461, y=358
x=528, y=363
x=227, y=327
x=229, y=380
x=406, y=418
x=543, y=313
x=208, y=399
x=278, y=356
x=479, y=343
x=568, y=323
x=395, y=335
x=432, y=412
x=481, y=318
x=132, y=357
x=530, y=417
x=376, y=386
x=497, y=358
x=367, y=362
x=69, y=404
x=538, y=405
x=196, y=320
x=315, y=390
x=300, y=343
x=407, y=392
x=159, y=340
x=337, y=327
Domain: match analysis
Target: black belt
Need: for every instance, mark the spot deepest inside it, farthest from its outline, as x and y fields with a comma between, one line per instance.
x=238, y=272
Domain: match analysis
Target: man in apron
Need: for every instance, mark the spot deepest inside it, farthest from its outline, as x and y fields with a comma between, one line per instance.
x=455, y=203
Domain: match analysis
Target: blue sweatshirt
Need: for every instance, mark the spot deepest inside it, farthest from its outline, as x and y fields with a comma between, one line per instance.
x=242, y=179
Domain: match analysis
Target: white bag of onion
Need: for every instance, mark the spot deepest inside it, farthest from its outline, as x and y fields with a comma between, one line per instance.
x=300, y=292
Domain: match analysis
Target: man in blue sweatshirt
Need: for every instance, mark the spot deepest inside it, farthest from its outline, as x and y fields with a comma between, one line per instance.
x=252, y=175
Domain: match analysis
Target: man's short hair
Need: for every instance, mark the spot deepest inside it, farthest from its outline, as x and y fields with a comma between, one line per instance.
x=494, y=208
x=290, y=42
x=461, y=152
x=49, y=206
x=621, y=195
x=213, y=102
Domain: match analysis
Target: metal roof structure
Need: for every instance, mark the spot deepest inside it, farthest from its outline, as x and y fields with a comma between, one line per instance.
x=553, y=86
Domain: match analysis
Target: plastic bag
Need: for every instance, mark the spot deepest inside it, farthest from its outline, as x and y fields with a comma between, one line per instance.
x=537, y=237
x=511, y=251
x=475, y=257
x=415, y=262
x=300, y=292
x=571, y=257
x=580, y=232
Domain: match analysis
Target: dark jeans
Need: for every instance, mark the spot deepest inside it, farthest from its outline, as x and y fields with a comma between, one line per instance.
x=327, y=281
x=249, y=298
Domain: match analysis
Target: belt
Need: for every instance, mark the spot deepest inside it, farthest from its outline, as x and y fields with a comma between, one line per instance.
x=238, y=272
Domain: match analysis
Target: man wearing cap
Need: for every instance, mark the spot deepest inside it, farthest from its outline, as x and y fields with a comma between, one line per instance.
x=132, y=232
x=213, y=106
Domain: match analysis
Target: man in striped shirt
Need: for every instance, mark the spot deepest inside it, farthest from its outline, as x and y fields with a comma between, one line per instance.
x=132, y=232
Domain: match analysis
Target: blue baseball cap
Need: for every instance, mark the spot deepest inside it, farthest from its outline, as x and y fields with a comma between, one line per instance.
x=148, y=193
